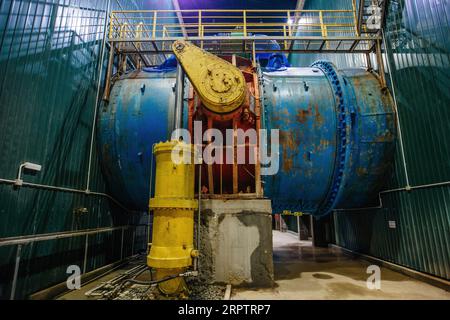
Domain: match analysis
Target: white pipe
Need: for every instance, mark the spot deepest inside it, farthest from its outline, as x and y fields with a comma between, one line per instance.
x=400, y=135
x=406, y=188
x=48, y=187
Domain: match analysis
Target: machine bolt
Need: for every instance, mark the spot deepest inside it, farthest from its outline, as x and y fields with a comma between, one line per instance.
x=179, y=46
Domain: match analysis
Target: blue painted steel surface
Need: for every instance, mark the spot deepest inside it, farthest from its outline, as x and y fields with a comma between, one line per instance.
x=139, y=114
x=297, y=103
x=336, y=135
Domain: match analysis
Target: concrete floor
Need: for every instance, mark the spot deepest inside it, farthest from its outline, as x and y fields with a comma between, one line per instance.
x=305, y=272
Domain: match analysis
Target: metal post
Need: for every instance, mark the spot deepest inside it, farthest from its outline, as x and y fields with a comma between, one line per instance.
x=298, y=228
x=121, y=244
x=200, y=23
x=380, y=64
x=355, y=20
x=179, y=95
x=245, y=22
x=254, y=53
x=322, y=26
x=16, y=272
x=86, y=243
x=311, y=223
x=109, y=72
x=155, y=13
x=369, y=62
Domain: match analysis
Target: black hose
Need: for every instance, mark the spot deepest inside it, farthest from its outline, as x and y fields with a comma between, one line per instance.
x=153, y=282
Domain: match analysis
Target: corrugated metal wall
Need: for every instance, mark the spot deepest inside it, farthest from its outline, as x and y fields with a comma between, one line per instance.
x=418, y=49
x=49, y=63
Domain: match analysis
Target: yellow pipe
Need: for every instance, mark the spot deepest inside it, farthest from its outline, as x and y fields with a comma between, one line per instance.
x=172, y=247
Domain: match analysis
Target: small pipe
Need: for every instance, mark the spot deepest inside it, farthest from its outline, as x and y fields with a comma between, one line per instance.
x=400, y=135
x=48, y=187
x=19, y=181
x=406, y=188
x=56, y=235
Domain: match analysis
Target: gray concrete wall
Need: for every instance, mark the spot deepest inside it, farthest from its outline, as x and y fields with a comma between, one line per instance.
x=236, y=242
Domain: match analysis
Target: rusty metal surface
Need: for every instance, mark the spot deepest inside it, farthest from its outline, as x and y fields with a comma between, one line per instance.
x=316, y=173
x=140, y=113
x=297, y=102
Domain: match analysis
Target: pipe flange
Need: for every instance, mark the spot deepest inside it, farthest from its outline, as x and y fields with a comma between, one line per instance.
x=343, y=141
x=173, y=203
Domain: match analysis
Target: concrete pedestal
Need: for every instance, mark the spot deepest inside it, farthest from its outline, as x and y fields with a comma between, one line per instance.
x=236, y=242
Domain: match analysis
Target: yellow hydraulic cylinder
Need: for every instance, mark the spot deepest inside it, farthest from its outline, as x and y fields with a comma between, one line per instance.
x=220, y=85
x=173, y=219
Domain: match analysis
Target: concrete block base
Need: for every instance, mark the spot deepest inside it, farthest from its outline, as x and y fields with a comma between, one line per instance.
x=236, y=242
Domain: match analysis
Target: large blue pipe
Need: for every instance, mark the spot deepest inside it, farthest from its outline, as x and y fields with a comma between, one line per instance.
x=336, y=137
x=336, y=127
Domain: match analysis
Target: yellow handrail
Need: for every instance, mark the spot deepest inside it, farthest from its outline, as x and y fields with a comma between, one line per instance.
x=205, y=22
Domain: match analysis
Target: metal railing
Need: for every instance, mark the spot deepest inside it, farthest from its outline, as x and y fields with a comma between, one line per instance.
x=295, y=30
x=204, y=23
x=20, y=241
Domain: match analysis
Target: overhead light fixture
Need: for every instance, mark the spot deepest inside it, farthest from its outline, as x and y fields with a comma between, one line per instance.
x=29, y=166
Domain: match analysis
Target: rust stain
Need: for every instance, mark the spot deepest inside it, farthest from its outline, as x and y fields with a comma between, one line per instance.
x=288, y=146
x=361, y=171
x=302, y=114
x=318, y=116
x=386, y=137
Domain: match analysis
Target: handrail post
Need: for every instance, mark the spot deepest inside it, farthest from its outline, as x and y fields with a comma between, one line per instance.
x=163, y=44
x=290, y=22
x=199, y=22
x=244, y=16
x=322, y=27
x=155, y=13
x=202, y=34
x=355, y=20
